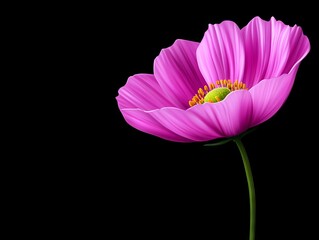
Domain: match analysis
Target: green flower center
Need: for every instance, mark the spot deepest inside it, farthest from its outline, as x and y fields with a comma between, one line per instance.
x=216, y=95
x=216, y=92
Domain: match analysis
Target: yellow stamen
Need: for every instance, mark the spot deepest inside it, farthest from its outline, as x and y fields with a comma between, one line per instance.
x=236, y=85
x=201, y=92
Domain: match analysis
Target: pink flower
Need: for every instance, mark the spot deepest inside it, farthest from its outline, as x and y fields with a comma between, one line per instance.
x=253, y=70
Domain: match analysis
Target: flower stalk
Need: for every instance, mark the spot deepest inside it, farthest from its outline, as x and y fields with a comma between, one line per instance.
x=251, y=187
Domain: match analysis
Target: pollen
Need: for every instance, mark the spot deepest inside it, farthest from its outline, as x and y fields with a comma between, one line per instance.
x=216, y=92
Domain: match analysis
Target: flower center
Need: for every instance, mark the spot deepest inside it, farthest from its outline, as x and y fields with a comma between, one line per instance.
x=216, y=92
x=216, y=95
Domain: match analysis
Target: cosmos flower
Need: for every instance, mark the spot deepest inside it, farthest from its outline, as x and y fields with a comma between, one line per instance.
x=233, y=80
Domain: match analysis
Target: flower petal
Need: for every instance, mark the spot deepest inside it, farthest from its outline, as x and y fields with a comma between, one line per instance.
x=270, y=94
x=209, y=121
x=220, y=54
x=177, y=72
x=143, y=121
x=271, y=49
x=142, y=91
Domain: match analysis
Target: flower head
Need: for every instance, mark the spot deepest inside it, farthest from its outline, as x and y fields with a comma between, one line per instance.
x=234, y=79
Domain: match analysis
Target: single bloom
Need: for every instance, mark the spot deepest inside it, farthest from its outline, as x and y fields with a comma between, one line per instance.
x=232, y=80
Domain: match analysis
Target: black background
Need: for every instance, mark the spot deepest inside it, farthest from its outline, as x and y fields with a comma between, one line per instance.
x=140, y=186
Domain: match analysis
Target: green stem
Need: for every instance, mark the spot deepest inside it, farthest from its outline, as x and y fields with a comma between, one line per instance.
x=251, y=188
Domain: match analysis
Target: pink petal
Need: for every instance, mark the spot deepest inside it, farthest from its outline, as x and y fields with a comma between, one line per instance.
x=143, y=121
x=209, y=121
x=299, y=48
x=271, y=49
x=177, y=72
x=270, y=94
x=142, y=91
x=221, y=54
